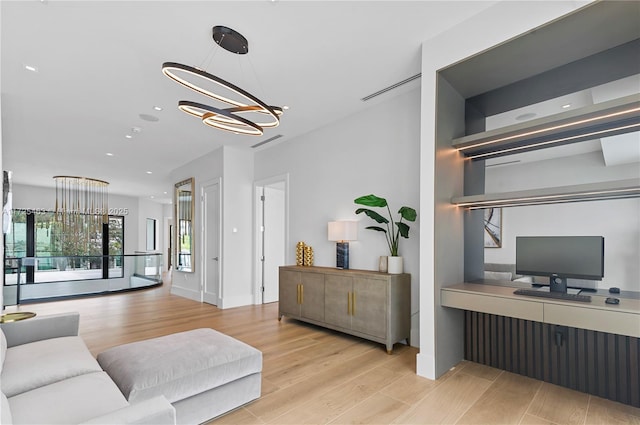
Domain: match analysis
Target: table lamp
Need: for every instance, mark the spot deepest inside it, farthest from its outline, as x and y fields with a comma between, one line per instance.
x=341, y=232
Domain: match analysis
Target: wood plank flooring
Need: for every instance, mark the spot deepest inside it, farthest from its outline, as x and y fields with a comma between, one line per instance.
x=313, y=375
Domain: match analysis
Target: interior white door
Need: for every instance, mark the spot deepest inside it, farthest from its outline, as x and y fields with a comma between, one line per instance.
x=211, y=208
x=273, y=239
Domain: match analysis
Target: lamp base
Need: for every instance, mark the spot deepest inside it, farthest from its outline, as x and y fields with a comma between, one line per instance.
x=342, y=255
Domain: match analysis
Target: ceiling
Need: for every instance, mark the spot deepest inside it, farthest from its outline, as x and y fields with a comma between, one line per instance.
x=98, y=77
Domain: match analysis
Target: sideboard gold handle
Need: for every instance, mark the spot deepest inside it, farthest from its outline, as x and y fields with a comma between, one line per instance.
x=301, y=294
x=353, y=304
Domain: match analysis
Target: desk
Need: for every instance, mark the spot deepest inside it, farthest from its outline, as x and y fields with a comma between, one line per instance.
x=621, y=319
x=590, y=347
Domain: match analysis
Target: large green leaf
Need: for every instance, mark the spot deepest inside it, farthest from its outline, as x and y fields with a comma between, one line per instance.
x=372, y=214
x=408, y=213
x=379, y=229
x=404, y=229
x=371, y=201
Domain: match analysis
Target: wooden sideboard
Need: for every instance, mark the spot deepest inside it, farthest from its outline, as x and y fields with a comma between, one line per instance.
x=364, y=303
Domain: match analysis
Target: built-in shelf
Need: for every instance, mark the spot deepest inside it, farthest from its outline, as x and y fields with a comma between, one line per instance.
x=576, y=193
x=604, y=119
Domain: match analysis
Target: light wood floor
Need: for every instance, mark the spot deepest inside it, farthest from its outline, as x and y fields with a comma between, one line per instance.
x=315, y=376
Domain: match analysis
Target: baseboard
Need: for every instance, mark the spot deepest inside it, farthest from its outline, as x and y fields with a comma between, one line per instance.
x=237, y=301
x=186, y=293
x=425, y=366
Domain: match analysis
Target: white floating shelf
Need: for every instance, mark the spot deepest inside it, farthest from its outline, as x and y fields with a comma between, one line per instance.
x=618, y=189
x=604, y=119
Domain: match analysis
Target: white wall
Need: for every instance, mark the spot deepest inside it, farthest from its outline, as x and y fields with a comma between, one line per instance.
x=234, y=167
x=149, y=209
x=618, y=221
x=204, y=169
x=564, y=171
x=494, y=25
x=375, y=151
x=237, y=228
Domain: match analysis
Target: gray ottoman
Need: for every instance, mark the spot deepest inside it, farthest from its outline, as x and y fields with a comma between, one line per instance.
x=203, y=373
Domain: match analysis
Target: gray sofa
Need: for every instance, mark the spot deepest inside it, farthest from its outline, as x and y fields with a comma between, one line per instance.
x=187, y=377
x=48, y=376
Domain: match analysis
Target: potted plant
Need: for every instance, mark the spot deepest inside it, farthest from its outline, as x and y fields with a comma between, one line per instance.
x=393, y=230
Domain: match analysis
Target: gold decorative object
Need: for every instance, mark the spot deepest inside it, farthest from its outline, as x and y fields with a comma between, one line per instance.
x=14, y=317
x=308, y=256
x=300, y=254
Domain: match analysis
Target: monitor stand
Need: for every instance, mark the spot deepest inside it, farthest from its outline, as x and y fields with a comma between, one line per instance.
x=557, y=284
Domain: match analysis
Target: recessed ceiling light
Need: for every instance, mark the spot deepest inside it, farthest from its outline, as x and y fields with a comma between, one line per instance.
x=109, y=154
x=151, y=196
x=149, y=172
x=565, y=106
x=285, y=107
x=128, y=136
x=164, y=193
x=31, y=68
x=150, y=118
x=157, y=108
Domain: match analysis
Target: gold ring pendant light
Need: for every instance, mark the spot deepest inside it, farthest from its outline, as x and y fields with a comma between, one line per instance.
x=228, y=119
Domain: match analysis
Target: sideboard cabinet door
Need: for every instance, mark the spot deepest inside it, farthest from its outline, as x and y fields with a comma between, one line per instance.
x=370, y=306
x=289, y=293
x=301, y=295
x=337, y=308
x=312, y=296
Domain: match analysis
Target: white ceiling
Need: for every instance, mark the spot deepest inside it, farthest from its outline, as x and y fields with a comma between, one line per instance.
x=99, y=68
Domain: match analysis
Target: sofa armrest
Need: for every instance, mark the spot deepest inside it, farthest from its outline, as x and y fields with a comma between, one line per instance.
x=40, y=328
x=153, y=411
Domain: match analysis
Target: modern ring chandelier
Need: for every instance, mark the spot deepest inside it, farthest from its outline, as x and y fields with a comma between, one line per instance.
x=248, y=115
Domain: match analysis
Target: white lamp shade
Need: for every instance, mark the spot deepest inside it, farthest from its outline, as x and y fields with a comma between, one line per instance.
x=343, y=230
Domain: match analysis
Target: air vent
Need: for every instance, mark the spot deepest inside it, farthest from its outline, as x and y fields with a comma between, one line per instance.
x=269, y=140
x=391, y=87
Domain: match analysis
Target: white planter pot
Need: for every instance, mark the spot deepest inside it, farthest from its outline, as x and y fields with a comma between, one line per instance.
x=394, y=265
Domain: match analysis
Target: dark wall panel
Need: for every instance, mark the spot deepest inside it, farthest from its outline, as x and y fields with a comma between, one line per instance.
x=597, y=363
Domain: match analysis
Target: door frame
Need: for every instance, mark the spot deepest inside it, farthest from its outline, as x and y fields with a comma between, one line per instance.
x=203, y=240
x=258, y=185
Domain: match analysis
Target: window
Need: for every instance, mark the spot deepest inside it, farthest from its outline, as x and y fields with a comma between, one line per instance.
x=78, y=253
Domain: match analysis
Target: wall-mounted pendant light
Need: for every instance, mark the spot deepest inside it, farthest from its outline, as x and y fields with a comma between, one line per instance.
x=246, y=104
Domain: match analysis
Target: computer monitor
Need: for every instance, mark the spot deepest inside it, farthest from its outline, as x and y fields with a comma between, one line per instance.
x=560, y=257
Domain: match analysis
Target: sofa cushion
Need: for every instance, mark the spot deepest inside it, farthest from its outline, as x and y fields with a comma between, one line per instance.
x=179, y=365
x=5, y=411
x=71, y=401
x=40, y=363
